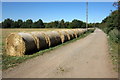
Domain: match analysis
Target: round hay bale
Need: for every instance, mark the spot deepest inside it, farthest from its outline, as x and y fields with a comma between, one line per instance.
x=63, y=35
x=42, y=42
x=70, y=33
x=83, y=30
x=53, y=38
x=80, y=31
x=68, y=36
x=91, y=29
x=76, y=33
x=19, y=44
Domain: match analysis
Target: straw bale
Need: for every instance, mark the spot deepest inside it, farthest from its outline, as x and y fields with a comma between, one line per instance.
x=53, y=38
x=18, y=44
x=63, y=36
x=42, y=42
x=71, y=34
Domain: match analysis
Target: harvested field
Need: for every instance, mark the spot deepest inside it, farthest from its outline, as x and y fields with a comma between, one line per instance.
x=12, y=61
x=29, y=42
x=84, y=58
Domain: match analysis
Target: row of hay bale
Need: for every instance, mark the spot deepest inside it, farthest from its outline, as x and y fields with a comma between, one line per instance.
x=22, y=43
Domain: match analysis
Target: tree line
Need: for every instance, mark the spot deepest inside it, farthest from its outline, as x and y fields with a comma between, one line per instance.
x=110, y=25
x=9, y=23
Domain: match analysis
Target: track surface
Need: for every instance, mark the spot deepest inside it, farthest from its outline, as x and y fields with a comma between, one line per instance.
x=84, y=58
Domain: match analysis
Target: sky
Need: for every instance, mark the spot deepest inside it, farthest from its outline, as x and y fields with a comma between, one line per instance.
x=58, y=0
x=51, y=11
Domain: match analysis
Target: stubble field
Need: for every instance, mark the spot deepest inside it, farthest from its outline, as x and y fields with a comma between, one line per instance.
x=11, y=61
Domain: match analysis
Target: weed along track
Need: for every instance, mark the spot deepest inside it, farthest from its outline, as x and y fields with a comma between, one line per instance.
x=25, y=43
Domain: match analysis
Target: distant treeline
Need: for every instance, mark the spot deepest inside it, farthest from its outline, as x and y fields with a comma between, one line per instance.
x=9, y=23
x=110, y=25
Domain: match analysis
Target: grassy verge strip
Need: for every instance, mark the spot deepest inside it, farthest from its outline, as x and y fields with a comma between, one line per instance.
x=11, y=61
x=113, y=50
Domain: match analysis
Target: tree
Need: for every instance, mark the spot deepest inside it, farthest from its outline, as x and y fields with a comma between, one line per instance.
x=38, y=24
x=83, y=25
x=55, y=24
x=76, y=24
x=62, y=24
x=90, y=25
x=20, y=22
x=7, y=23
x=48, y=25
x=24, y=25
x=15, y=25
x=0, y=25
x=97, y=24
x=29, y=23
x=116, y=4
x=67, y=24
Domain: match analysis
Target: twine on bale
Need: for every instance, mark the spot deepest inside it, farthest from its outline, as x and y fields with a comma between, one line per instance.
x=19, y=44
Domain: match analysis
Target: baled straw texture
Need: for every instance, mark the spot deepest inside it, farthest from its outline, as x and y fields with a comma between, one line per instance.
x=18, y=44
x=70, y=33
x=63, y=36
x=83, y=30
x=80, y=31
x=53, y=37
x=41, y=39
x=76, y=32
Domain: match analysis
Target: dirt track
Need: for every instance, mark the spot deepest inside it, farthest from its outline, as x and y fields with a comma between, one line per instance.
x=85, y=58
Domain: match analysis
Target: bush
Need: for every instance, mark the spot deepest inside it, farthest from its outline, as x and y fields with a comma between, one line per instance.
x=114, y=35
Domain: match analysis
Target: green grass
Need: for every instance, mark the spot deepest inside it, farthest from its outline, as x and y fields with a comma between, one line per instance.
x=10, y=61
x=113, y=50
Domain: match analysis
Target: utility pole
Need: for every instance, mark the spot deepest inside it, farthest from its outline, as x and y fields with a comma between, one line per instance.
x=87, y=15
x=94, y=24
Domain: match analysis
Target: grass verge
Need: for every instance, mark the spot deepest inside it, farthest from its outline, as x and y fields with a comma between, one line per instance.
x=113, y=50
x=11, y=61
